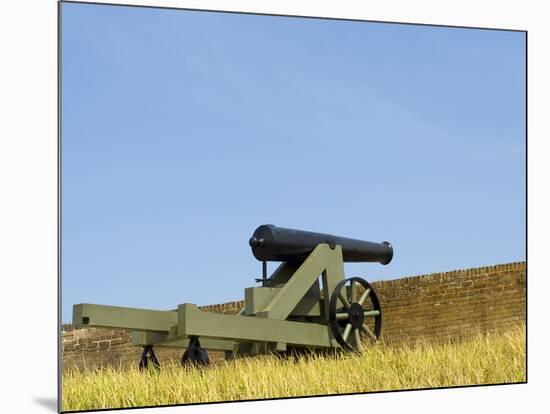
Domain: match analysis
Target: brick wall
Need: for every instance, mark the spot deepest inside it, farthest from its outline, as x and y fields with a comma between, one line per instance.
x=94, y=347
x=434, y=306
x=456, y=303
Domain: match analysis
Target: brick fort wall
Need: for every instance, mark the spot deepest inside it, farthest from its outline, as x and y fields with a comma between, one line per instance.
x=454, y=304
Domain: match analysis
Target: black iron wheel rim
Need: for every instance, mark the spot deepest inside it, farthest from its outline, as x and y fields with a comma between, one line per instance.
x=347, y=326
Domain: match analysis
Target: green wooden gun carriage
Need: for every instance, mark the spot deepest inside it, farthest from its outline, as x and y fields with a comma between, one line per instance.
x=305, y=304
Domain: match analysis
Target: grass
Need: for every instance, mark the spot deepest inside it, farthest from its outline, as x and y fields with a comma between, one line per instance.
x=485, y=359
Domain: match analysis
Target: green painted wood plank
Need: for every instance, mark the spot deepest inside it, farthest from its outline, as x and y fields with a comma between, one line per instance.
x=193, y=321
x=103, y=316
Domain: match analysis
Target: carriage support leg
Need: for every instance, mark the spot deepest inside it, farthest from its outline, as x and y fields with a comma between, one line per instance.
x=147, y=355
x=195, y=354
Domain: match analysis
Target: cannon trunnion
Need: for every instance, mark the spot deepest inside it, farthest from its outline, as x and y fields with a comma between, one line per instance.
x=305, y=303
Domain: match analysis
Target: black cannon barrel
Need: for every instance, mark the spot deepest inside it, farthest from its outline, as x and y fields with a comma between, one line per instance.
x=276, y=244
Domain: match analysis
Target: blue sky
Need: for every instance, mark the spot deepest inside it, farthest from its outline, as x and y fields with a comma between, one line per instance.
x=183, y=131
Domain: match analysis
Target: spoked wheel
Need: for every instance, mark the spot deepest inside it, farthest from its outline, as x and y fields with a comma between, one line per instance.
x=194, y=354
x=355, y=313
x=148, y=355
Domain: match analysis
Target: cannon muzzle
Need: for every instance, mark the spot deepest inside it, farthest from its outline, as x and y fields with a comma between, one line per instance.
x=276, y=244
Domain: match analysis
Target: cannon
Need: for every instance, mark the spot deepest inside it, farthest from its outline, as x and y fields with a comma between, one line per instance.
x=277, y=244
x=306, y=303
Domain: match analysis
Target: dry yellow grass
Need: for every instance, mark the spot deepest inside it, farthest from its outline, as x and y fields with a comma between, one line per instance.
x=485, y=359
